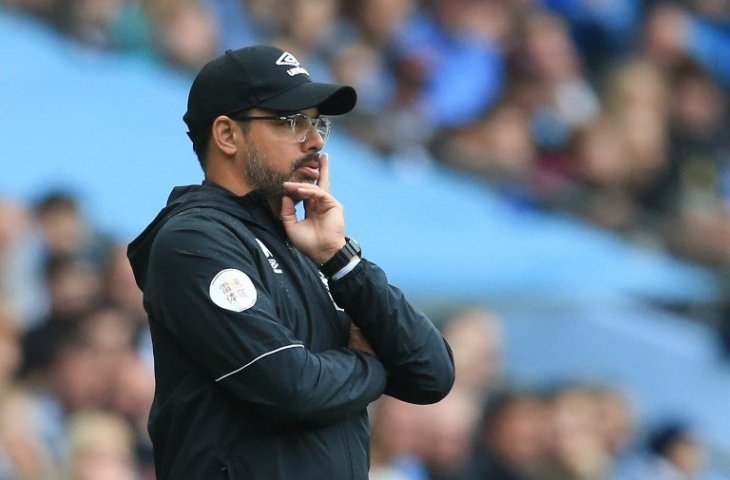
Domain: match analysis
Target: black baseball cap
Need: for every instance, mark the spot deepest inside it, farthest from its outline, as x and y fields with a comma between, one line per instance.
x=259, y=76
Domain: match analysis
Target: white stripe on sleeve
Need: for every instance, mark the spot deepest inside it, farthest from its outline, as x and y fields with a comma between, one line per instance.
x=295, y=345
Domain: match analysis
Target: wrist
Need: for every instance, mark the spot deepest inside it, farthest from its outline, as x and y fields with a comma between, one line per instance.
x=329, y=253
x=341, y=258
x=346, y=269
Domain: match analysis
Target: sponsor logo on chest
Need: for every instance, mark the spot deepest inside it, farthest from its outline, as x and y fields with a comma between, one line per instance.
x=270, y=257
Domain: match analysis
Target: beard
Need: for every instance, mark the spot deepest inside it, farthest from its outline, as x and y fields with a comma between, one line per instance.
x=262, y=177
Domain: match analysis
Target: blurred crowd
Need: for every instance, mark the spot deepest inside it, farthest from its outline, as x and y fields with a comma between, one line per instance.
x=489, y=428
x=76, y=370
x=76, y=384
x=613, y=110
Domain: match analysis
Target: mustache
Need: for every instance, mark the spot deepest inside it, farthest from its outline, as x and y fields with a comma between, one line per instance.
x=306, y=159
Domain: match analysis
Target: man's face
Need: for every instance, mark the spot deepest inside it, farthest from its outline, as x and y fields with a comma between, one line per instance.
x=273, y=155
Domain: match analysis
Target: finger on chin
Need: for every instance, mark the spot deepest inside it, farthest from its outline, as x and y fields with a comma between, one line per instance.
x=324, y=172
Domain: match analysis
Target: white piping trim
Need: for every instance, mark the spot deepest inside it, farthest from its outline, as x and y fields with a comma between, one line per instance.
x=346, y=269
x=296, y=345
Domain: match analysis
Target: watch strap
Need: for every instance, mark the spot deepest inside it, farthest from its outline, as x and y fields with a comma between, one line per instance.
x=342, y=257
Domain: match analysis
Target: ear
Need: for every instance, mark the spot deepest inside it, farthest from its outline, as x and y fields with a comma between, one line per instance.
x=225, y=133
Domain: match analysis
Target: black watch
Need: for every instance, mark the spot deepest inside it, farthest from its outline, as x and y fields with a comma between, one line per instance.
x=342, y=257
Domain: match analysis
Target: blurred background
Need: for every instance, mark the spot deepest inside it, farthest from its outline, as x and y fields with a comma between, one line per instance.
x=548, y=179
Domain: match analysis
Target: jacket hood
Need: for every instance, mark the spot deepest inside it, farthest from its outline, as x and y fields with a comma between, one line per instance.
x=185, y=198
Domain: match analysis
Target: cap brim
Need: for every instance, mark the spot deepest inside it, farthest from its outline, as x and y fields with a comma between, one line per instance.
x=329, y=99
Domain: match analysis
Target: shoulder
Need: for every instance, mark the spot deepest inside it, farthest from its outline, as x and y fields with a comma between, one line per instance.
x=201, y=231
x=205, y=220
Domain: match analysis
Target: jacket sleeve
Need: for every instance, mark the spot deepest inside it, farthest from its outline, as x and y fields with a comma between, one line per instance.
x=419, y=362
x=247, y=349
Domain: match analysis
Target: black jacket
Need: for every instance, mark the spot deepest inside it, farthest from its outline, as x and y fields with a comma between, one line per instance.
x=253, y=377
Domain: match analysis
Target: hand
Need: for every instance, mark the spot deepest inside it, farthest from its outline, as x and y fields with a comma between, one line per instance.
x=358, y=342
x=321, y=233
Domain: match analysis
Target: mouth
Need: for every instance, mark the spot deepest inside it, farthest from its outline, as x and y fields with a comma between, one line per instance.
x=309, y=172
x=308, y=168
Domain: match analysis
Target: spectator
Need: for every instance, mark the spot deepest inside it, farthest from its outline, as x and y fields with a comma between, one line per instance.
x=604, y=171
x=23, y=453
x=637, y=100
x=577, y=449
x=677, y=454
x=603, y=29
x=693, y=186
x=246, y=22
x=499, y=149
x=378, y=21
x=462, y=72
x=449, y=433
x=185, y=34
x=674, y=34
x=89, y=21
x=100, y=447
x=65, y=231
x=512, y=437
x=366, y=60
x=476, y=339
x=74, y=289
x=310, y=32
x=45, y=9
x=132, y=393
x=618, y=426
x=566, y=100
x=397, y=441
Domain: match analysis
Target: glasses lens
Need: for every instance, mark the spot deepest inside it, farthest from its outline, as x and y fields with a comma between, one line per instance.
x=301, y=124
x=322, y=125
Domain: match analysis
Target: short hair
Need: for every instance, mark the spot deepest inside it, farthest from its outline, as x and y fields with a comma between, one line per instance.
x=56, y=200
x=665, y=436
x=200, y=140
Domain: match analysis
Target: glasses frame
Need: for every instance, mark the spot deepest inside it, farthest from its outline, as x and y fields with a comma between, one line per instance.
x=321, y=124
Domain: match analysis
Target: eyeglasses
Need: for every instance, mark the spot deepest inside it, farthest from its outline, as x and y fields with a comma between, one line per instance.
x=299, y=124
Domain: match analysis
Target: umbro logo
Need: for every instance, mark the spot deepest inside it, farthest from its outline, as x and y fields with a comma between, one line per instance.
x=288, y=59
x=270, y=257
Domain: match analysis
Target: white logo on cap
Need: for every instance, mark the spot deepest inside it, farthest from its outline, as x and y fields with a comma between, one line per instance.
x=287, y=58
x=233, y=290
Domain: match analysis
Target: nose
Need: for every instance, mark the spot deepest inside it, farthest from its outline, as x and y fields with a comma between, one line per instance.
x=313, y=141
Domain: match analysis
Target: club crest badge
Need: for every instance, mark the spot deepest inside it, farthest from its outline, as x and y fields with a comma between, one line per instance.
x=232, y=290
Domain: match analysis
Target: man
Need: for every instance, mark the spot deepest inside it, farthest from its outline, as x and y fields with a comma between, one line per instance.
x=260, y=370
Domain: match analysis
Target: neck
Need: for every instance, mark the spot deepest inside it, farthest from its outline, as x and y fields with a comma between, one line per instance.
x=275, y=204
x=240, y=187
x=227, y=179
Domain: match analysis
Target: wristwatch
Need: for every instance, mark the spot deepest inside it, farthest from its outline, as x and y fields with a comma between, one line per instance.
x=342, y=257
